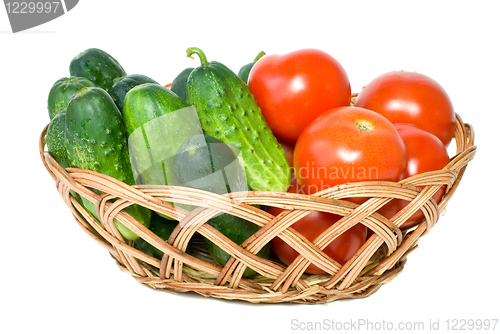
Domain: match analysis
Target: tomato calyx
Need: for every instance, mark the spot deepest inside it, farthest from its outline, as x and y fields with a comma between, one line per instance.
x=364, y=126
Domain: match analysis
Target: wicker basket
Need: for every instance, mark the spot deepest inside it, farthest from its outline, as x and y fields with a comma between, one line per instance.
x=377, y=262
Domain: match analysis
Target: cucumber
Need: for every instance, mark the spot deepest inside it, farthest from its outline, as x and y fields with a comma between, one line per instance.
x=122, y=85
x=163, y=228
x=206, y=163
x=96, y=140
x=245, y=69
x=199, y=160
x=238, y=230
x=179, y=85
x=55, y=139
x=156, y=124
x=62, y=91
x=97, y=66
x=227, y=111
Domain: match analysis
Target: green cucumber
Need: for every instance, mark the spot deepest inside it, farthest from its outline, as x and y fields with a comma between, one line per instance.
x=237, y=230
x=97, y=66
x=163, y=228
x=156, y=123
x=55, y=139
x=62, y=91
x=96, y=140
x=179, y=85
x=228, y=111
x=245, y=69
x=199, y=160
x=206, y=163
x=122, y=85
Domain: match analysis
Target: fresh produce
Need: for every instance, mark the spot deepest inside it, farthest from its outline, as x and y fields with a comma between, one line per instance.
x=206, y=163
x=245, y=69
x=341, y=249
x=228, y=112
x=62, y=91
x=426, y=153
x=122, y=85
x=312, y=225
x=162, y=125
x=96, y=140
x=295, y=88
x=55, y=139
x=291, y=128
x=410, y=97
x=179, y=85
x=348, y=144
x=237, y=230
x=97, y=66
x=163, y=228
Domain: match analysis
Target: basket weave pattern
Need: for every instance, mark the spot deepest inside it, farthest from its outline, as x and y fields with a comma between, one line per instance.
x=378, y=261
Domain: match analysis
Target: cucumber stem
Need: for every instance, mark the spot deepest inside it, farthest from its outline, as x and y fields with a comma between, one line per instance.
x=200, y=54
x=260, y=55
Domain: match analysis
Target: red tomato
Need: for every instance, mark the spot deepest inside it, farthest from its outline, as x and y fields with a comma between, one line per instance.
x=348, y=144
x=312, y=225
x=341, y=249
x=425, y=153
x=294, y=88
x=410, y=97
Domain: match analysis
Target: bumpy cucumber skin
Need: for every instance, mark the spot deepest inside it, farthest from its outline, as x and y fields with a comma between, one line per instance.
x=228, y=112
x=97, y=66
x=96, y=140
x=143, y=104
x=95, y=135
x=55, y=139
x=123, y=85
x=237, y=230
x=179, y=85
x=62, y=91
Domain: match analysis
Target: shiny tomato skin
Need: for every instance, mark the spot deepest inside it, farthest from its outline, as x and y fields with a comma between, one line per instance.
x=293, y=89
x=312, y=225
x=339, y=147
x=410, y=97
x=426, y=153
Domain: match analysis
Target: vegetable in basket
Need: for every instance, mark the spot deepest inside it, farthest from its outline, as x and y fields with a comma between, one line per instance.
x=122, y=86
x=97, y=66
x=245, y=69
x=62, y=91
x=179, y=85
x=228, y=111
x=96, y=140
x=204, y=162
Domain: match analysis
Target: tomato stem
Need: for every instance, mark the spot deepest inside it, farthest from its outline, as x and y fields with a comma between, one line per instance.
x=364, y=126
x=201, y=54
x=260, y=55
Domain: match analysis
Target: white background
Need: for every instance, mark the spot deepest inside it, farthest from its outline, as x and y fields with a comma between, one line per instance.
x=55, y=279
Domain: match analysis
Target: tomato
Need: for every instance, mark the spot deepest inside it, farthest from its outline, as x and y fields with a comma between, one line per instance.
x=289, y=148
x=425, y=153
x=410, y=97
x=294, y=88
x=348, y=144
x=341, y=249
